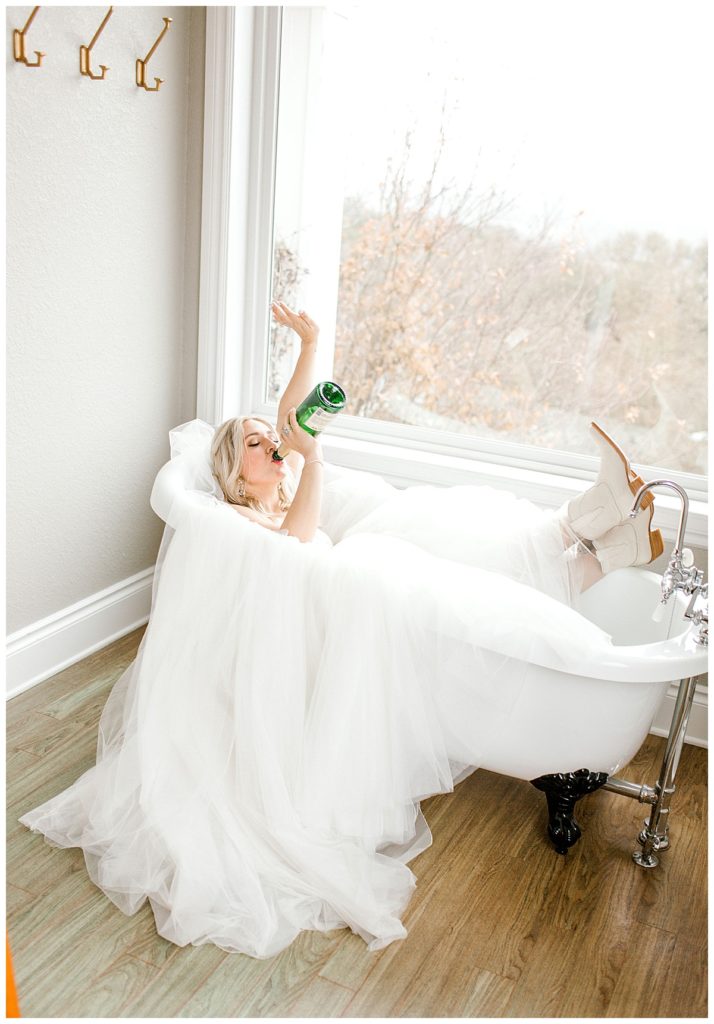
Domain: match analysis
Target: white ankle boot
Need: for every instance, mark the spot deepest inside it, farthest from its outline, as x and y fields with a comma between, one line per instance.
x=630, y=543
x=610, y=499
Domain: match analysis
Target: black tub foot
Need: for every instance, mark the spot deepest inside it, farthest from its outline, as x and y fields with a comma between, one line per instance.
x=562, y=791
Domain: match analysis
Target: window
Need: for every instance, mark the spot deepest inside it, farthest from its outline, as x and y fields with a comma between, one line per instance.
x=494, y=211
x=281, y=211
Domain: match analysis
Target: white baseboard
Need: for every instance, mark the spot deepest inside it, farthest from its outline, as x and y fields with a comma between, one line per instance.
x=44, y=648
x=41, y=650
x=697, y=728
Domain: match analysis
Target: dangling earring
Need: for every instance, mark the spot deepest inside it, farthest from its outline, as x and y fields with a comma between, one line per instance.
x=241, y=487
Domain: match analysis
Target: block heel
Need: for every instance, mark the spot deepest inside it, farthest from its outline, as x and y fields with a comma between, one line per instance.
x=656, y=544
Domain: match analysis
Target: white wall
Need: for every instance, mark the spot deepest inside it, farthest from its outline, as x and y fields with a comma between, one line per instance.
x=103, y=234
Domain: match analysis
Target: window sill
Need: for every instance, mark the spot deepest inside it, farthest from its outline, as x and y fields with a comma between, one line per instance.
x=406, y=467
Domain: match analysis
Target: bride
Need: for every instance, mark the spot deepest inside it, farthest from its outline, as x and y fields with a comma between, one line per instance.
x=323, y=652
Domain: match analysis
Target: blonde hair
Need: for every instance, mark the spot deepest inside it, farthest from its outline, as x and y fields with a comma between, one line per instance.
x=227, y=451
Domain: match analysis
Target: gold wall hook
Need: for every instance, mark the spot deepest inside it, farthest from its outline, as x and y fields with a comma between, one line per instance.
x=85, y=51
x=18, y=44
x=141, y=64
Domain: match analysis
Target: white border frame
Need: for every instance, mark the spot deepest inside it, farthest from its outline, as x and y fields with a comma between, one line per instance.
x=242, y=61
x=217, y=144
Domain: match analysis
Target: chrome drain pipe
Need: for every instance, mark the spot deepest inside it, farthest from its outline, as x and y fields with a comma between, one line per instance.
x=645, y=794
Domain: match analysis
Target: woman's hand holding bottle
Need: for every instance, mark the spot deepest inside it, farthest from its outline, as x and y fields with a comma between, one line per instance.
x=299, y=440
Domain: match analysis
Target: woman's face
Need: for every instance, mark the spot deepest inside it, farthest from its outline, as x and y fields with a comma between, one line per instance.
x=259, y=443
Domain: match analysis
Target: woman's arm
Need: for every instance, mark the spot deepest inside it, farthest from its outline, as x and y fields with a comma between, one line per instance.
x=303, y=516
x=303, y=379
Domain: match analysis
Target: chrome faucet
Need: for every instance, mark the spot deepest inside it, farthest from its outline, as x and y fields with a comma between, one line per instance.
x=681, y=572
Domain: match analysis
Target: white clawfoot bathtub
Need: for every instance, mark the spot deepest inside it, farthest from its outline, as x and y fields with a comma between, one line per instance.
x=569, y=732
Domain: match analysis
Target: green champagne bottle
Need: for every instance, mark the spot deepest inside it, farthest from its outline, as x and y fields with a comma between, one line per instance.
x=317, y=411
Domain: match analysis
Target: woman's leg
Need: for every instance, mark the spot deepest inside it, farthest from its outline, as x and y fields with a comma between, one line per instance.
x=584, y=568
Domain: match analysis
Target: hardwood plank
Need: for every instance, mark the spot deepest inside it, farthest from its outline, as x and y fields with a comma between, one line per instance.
x=292, y=972
x=67, y=895
x=110, y=992
x=587, y=925
x=562, y=974
x=574, y=969
x=87, y=700
x=36, y=730
x=57, y=964
x=42, y=734
x=487, y=997
x=34, y=865
x=180, y=978
x=80, y=949
x=245, y=987
x=642, y=989
x=47, y=691
x=16, y=899
x=321, y=998
x=461, y=990
x=17, y=763
x=73, y=741
x=52, y=775
x=225, y=990
x=501, y=951
x=679, y=985
x=151, y=947
x=351, y=962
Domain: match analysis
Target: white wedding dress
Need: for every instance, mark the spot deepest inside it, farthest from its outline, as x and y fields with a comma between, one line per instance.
x=260, y=765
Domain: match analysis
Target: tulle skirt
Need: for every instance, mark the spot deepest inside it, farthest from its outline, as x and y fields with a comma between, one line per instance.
x=260, y=764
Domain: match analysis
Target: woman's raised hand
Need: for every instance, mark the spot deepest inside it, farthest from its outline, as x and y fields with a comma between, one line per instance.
x=300, y=322
x=299, y=440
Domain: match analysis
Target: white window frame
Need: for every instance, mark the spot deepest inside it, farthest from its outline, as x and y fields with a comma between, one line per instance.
x=240, y=119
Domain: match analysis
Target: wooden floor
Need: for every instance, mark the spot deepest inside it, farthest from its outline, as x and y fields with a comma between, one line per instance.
x=499, y=924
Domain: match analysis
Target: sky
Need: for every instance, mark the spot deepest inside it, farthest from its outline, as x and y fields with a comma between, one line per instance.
x=588, y=107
